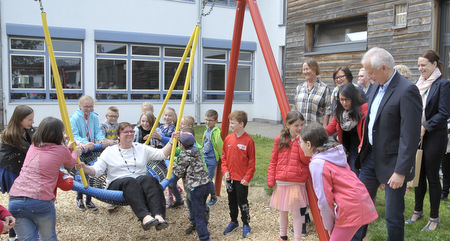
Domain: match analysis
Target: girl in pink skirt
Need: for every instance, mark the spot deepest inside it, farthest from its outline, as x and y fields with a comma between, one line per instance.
x=288, y=169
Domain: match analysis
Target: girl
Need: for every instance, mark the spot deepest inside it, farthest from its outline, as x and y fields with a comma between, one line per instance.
x=348, y=121
x=344, y=203
x=32, y=194
x=288, y=169
x=16, y=139
x=142, y=130
x=170, y=120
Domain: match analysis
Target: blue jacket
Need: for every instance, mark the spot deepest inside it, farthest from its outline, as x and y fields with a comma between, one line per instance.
x=78, y=127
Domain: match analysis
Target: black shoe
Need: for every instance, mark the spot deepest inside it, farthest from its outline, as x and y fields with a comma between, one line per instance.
x=190, y=229
x=176, y=204
x=161, y=225
x=150, y=224
x=444, y=197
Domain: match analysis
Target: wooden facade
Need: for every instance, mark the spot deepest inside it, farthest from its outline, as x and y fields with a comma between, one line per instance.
x=405, y=43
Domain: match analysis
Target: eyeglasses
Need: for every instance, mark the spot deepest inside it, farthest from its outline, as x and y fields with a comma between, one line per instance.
x=339, y=77
x=344, y=100
x=128, y=132
x=209, y=120
x=113, y=116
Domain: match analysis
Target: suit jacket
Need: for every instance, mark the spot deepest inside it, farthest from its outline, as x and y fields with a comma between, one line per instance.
x=437, y=107
x=396, y=130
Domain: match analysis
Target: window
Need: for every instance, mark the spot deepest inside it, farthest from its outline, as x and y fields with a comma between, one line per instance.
x=400, y=13
x=232, y=3
x=31, y=76
x=336, y=36
x=215, y=70
x=137, y=72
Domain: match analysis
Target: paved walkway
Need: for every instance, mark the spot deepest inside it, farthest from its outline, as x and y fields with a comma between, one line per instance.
x=263, y=129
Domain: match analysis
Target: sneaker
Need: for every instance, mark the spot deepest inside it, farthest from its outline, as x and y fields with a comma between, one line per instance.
x=176, y=204
x=231, y=227
x=111, y=207
x=80, y=205
x=91, y=206
x=212, y=201
x=190, y=229
x=246, y=231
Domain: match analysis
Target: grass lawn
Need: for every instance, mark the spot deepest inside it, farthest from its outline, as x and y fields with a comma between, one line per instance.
x=377, y=230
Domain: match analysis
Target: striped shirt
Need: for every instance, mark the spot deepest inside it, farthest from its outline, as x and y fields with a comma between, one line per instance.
x=314, y=104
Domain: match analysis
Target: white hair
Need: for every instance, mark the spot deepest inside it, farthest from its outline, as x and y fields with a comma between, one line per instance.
x=377, y=57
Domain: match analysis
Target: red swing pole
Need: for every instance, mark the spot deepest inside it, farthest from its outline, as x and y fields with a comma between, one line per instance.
x=231, y=80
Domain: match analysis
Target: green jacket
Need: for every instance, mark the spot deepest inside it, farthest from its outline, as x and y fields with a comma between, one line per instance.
x=216, y=140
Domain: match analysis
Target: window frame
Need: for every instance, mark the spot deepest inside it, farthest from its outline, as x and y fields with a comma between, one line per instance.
x=395, y=24
x=47, y=90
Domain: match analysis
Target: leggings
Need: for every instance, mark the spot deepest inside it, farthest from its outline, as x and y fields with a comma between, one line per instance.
x=298, y=222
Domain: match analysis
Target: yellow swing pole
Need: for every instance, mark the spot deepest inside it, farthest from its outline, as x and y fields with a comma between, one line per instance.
x=183, y=98
x=172, y=85
x=59, y=91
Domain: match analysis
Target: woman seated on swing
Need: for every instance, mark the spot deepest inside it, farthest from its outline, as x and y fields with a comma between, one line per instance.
x=126, y=171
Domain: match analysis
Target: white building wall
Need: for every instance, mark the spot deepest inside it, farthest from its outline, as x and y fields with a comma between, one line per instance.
x=169, y=17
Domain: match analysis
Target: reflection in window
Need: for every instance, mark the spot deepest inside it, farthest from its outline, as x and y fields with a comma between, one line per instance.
x=111, y=74
x=174, y=52
x=145, y=75
x=145, y=50
x=341, y=31
x=111, y=48
x=31, y=77
x=214, y=77
x=170, y=69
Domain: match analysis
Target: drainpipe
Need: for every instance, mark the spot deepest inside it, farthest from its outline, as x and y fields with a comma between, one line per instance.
x=198, y=67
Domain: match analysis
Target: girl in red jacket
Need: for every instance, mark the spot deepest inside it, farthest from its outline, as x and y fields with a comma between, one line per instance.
x=288, y=169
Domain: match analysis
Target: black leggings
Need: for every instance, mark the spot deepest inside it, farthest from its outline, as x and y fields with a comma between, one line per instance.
x=144, y=194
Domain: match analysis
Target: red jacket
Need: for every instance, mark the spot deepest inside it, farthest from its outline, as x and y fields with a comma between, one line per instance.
x=3, y=213
x=334, y=125
x=288, y=164
x=238, y=157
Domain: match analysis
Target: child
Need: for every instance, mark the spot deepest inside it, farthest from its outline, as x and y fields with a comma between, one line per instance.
x=142, y=130
x=191, y=168
x=212, y=148
x=109, y=125
x=147, y=106
x=15, y=141
x=32, y=195
x=344, y=203
x=288, y=169
x=238, y=167
x=170, y=120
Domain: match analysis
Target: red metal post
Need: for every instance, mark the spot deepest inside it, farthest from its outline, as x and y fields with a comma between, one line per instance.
x=284, y=105
x=231, y=80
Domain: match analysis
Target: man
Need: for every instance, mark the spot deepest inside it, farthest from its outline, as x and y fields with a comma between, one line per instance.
x=391, y=136
x=364, y=82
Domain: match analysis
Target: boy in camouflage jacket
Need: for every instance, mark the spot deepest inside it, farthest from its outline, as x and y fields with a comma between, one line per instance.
x=192, y=168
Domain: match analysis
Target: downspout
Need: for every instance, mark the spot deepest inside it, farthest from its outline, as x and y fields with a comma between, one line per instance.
x=199, y=67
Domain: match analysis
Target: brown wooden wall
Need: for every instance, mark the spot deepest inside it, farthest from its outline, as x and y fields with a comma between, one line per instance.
x=405, y=44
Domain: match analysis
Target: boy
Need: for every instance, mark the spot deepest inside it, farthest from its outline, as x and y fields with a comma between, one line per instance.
x=238, y=167
x=191, y=168
x=109, y=125
x=212, y=148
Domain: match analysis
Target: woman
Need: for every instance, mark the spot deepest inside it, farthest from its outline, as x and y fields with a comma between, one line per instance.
x=435, y=92
x=32, y=195
x=126, y=171
x=348, y=121
x=342, y=76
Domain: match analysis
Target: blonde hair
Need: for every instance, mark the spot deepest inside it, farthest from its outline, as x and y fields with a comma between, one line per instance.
x=174, y=114
x=403, y=70
x=149, y=105
x=85, y=98
x=188, y=120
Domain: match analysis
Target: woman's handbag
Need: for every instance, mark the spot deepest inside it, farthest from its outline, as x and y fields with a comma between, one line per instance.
x=419, y=153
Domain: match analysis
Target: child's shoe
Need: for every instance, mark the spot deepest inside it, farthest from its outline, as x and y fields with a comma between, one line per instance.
x=231, y=227
x=91, y=206
x=246, y=231
x=80, y=205
x=190, y=229
x=212, y=201
x=176, y=204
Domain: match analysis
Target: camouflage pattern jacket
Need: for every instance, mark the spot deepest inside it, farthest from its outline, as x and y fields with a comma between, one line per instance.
x=192, y=168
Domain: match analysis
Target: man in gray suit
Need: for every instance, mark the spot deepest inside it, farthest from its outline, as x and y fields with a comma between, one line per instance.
x=391, y=136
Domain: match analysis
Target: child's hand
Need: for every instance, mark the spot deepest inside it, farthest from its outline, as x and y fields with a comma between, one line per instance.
x=71, y=144
x=156, y=135
x=227, y=175
x=78, y=166
x=145, y=137
x=11, y=221
x=244, y=182
x=176, y=135
x=78, y=150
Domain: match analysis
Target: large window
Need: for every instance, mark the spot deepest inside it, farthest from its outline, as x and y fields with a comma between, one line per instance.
x=137, y=72
x=342, y=35
x=215, y=70
x=31, y=76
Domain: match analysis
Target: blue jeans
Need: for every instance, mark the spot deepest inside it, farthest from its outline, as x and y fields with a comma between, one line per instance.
x=212, y=172
x=34, y=218
x=198, y=209
x=394, y=200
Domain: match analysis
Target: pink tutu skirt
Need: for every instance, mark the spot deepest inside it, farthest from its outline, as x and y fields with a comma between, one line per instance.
x=289, y=197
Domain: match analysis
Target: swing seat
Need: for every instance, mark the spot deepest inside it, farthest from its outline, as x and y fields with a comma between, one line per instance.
x=97, y=185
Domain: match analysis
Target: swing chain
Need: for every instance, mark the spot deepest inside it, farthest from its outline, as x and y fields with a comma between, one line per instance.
x=210, y=9
x=40, y=3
